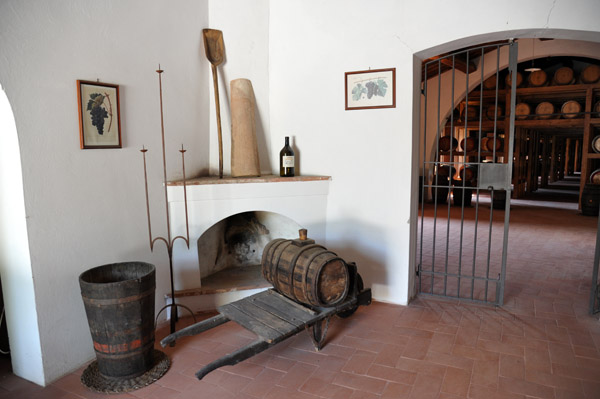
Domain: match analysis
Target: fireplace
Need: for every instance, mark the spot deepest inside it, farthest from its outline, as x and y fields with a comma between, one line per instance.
x=231, y=220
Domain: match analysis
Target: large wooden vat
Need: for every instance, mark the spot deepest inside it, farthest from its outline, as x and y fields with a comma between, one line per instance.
x=306, y=272
x=119, y=303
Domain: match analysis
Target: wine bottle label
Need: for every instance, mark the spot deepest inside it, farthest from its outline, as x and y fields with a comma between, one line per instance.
x=288, y=161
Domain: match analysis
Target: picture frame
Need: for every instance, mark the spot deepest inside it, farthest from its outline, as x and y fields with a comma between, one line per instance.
x=99, y=115
x=374, y=88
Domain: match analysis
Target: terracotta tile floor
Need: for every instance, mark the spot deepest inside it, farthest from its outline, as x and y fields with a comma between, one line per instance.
x=540, y=344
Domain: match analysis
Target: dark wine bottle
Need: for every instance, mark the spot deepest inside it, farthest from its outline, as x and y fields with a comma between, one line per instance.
x=286, y=160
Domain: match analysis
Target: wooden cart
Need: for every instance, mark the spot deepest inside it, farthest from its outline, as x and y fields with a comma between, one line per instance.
x=273, y=318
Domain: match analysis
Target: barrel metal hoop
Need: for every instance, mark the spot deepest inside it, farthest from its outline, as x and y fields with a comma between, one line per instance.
x=276, y=275
x=118, y=301
x=295, y=260
x=314, y=286
x=346, y=289
x=125, y=349
x=268, y=253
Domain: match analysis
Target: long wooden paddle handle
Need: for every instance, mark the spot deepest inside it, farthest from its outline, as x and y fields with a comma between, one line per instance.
x=216, y=86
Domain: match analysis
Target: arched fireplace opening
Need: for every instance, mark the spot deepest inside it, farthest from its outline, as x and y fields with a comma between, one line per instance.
x=230, y=251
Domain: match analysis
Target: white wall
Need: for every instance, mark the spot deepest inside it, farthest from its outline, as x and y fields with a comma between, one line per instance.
x=86, y=208
x=369, y=153
x=245, y=27
x=15, y=263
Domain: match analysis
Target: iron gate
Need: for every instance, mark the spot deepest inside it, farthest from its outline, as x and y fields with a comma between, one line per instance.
x=595, y=292
x=465, y=196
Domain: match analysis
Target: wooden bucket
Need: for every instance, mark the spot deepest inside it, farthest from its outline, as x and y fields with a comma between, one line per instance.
x=494, y=112
x=305, y=272
x=544, y=110
x=522, y=111
x=508, y=79
x=446, y=142
x=119, y=303
x=537, y=78
x=571, y=109
x=591, y=74
x=564, y=76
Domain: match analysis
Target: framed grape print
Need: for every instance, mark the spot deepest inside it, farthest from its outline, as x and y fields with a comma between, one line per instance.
x=374, y=88
x=99, y=115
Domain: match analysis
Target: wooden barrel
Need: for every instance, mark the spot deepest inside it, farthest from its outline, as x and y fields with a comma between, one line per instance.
x=544, y=110
x=119, y=303
x=490, y=83
x=439, y=194
x=490, y=142
x=596, y=110
x=595, y=177
x=508, y=80
x=462, y=196
x=446, y=170
x=468, y=144
x=590, y=199
x=522, y=111
x=470, y=113
x=483, y=144
x=596, y=144
x=537, y=78
x=591, y=74
x=571, y=109
x=467, y=172
x=494, y=112
x=305, y=272
x=564, y=76
x=446, y=142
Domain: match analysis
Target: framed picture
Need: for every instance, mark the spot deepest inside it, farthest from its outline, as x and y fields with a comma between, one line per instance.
x=99, y=116
x=374, y=88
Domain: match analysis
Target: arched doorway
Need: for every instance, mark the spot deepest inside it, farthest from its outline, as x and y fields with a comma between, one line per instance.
x=15, y=263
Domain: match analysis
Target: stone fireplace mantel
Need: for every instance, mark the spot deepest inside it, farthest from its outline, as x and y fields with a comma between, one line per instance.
x=302, y=199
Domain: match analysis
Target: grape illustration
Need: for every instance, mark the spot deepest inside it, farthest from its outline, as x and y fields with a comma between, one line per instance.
x=97, y=111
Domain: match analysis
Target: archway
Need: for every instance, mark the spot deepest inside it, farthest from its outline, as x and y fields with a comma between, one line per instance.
x=15, y=262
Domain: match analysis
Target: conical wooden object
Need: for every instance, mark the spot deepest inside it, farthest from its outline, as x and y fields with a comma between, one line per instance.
x=244, y=148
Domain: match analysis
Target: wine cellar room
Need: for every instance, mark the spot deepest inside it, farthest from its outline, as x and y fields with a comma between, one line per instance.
x=553, y=175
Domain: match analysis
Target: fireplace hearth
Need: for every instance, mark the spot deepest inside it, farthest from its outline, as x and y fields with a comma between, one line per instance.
x=232, y=220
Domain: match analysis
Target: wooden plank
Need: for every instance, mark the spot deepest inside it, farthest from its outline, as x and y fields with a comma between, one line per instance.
x=195, y=329
x=276, y=323
x=282, y=309
x=249, y=323
x=292, y=303
x=234, y=358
